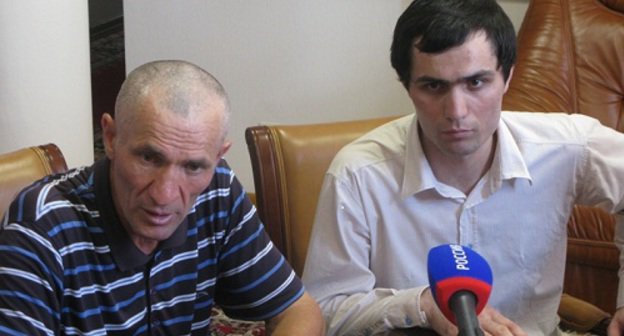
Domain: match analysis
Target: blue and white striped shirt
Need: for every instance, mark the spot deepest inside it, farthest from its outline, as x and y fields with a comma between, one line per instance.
x=67, y=266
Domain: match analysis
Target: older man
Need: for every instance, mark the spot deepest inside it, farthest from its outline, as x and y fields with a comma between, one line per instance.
x=147, y=240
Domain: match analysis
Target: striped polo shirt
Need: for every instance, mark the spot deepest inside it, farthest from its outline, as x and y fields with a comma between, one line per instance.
x=67, y=266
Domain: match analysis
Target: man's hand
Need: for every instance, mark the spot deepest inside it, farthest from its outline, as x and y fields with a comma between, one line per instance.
x=494, y=323
x=616, y=327
x=491, y=321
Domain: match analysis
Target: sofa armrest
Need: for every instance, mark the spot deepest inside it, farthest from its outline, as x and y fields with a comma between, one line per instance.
x=580, y=316
x=592, y=260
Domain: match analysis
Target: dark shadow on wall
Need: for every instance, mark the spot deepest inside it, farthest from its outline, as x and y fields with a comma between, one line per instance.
x=108, y=68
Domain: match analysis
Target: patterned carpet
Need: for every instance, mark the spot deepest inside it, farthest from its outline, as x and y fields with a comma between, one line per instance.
x=222, y=325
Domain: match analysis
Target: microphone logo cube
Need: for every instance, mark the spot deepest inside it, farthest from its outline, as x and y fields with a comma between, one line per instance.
x=461, y=260
x=454, y=268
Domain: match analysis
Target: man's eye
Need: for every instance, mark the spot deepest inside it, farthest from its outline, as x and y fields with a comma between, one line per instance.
x=434, y=87
x=151, y=158
x=194, y=168
x=148, y=157
x=476, y=83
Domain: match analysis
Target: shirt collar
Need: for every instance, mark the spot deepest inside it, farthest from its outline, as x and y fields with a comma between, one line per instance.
x=508, y=161
x=126, y=255
x=418, y=176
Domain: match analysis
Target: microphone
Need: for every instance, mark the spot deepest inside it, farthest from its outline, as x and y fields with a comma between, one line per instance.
x=461, y=282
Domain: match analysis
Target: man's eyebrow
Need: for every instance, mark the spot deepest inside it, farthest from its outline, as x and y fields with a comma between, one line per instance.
x=429, y=79
x=153, y=151
x=203, y=163
x=476, y=75
x=147, y=149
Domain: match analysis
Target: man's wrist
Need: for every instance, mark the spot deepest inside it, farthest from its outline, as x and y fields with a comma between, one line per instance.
x=424, y=321
x=405, y=310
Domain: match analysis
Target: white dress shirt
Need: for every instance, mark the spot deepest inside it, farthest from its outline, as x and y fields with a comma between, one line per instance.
x=381, y=210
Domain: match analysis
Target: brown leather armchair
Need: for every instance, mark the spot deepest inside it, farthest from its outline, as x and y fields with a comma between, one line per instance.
x=22, y=167
x=571, y=58
x=289, y=163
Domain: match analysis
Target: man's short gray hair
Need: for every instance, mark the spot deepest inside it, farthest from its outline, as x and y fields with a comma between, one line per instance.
x=179, y=85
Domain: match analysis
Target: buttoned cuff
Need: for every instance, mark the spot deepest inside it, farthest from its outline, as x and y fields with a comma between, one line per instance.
x=404, y=311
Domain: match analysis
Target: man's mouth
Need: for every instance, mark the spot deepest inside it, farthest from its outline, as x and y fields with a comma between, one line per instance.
x=457, y=133
x=158, y=217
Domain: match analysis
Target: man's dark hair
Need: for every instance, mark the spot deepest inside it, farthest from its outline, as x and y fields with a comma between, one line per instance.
x=434, y=26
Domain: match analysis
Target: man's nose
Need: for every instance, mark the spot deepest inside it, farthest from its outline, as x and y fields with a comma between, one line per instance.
x=455, y=104
x=164, y=188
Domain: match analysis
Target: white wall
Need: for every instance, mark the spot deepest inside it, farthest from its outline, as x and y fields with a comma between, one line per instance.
x=515, y=9
x=282, y=61
x=45, y=87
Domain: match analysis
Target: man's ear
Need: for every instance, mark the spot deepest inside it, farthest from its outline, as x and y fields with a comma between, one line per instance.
x=108, y=134
x=509, y=78
x=225, y=148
